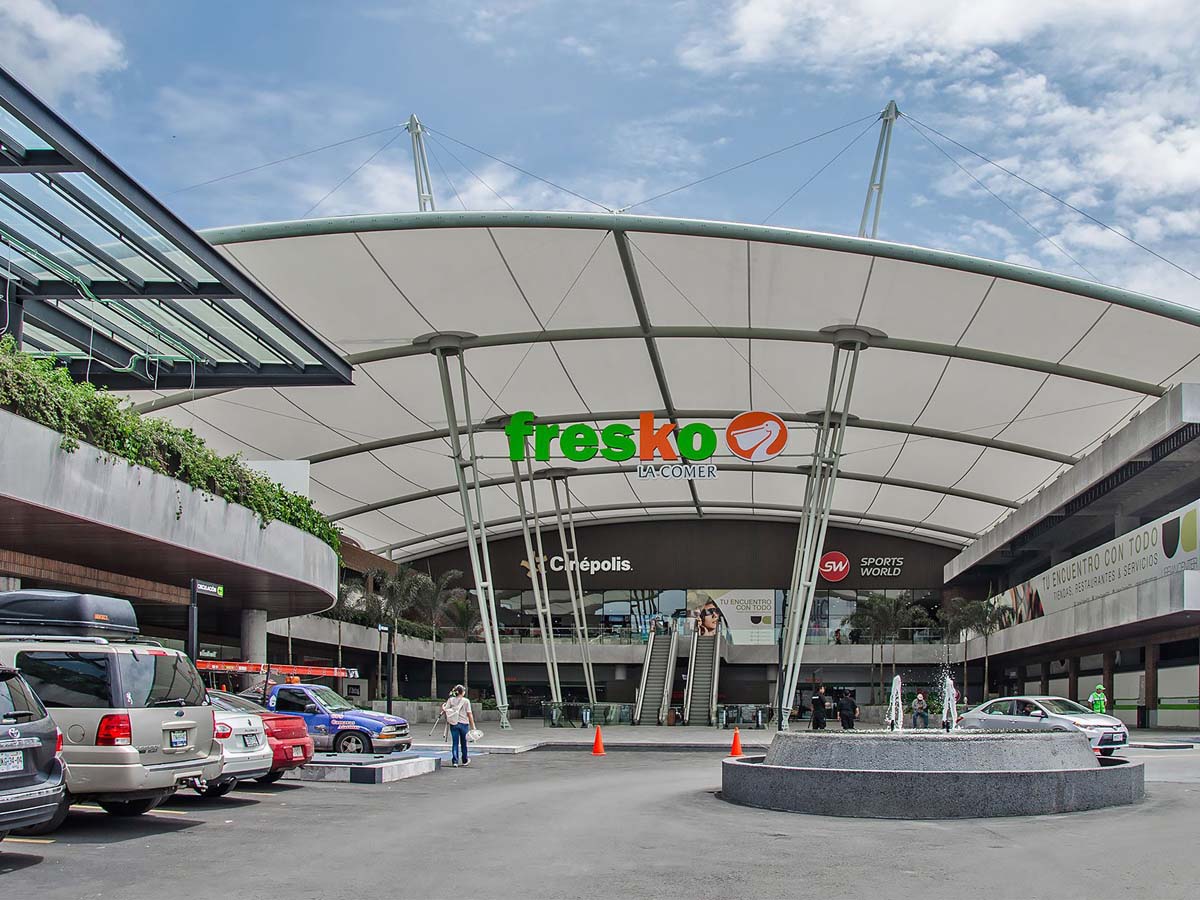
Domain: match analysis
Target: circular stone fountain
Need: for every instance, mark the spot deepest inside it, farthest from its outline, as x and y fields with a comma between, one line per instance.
x=930, y=775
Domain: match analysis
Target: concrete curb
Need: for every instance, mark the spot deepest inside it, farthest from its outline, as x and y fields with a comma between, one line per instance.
x=368, y=771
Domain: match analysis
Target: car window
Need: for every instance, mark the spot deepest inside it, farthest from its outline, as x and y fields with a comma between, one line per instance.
x=999, y=708
x=16, y=697
x=331, y=700
x=234, y=703
x=1064, y=707
x=69, y=680
x=149, y=678
x=291, y=700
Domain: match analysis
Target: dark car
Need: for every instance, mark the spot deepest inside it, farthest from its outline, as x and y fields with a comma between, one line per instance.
x=31, y=767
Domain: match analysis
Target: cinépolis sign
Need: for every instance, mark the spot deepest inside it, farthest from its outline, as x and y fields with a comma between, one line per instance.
x=663, y=450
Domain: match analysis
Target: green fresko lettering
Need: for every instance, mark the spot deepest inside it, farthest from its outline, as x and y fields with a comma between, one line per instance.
x=618, y=442
x=542, y=436
x=578, y=443
x=518, y=428
x=696, y=441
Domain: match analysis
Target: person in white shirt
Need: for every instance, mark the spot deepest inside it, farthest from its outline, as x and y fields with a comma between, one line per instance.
x=461, y=720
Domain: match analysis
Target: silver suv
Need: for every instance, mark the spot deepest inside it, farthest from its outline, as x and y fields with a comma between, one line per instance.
x=134, y=716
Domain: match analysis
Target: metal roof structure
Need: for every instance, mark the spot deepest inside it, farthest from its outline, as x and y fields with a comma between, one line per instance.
x=983, y=380
x=99, y=275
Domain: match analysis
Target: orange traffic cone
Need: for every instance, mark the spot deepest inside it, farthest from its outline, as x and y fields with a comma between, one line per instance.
x=736, y=749
x=598, y=744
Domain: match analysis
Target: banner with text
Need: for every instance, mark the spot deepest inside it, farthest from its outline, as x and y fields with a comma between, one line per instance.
x=1162, y=547
x=744, y=617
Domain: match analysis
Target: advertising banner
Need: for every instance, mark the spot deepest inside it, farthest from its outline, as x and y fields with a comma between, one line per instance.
x=743, y=616
x=1162, y=547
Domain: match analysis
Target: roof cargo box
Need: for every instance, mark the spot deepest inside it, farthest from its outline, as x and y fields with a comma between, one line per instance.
x=66, y=613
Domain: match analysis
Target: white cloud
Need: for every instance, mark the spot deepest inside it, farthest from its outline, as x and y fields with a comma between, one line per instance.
x=1095, y=100
x=59, y=56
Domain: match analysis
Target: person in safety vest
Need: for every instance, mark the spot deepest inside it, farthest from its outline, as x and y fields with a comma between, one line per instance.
x=1098, y=700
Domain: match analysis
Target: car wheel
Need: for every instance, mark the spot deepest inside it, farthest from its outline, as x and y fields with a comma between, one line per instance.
x=1107, y=751
x=129, y=808
x=270, y=777
x=352, y=742
x=60, y=816
x=219, y=788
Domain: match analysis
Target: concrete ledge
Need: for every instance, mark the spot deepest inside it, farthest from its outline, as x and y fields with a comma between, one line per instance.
x=925, y=794
x=362, y=769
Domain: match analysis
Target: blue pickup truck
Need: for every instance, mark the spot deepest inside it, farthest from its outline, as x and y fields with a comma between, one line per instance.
x=335, y=723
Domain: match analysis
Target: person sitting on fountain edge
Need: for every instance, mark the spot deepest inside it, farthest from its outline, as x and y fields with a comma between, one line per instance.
x=847, y=710
x=920, y=710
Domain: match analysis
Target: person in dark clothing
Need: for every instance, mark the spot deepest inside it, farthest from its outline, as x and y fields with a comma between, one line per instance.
x=818, y=709
x=847, y=710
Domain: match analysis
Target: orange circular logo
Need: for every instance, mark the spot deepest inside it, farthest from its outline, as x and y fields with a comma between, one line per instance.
x=756, y=436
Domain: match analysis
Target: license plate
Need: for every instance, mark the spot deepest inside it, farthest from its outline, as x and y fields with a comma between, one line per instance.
x=297, y=753
x=179, y=739
x=1118, y=738
x=250, y=740
x=12, y=762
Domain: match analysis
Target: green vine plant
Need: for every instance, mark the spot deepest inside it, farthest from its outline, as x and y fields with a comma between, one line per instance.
x=36, y=389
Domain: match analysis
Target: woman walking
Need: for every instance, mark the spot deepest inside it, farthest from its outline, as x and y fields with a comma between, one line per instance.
x=461, y=720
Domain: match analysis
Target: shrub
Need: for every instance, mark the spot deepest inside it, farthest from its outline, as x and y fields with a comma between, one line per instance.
x=36, y=389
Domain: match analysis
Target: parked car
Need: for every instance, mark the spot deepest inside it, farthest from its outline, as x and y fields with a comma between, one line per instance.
x=287, y=736
x=245, y=753
x=1105, y=733
x=31, y=767
x=337, y=724
x=134, y=716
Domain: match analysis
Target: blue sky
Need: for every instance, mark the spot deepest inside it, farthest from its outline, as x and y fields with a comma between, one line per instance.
x=1093, y=99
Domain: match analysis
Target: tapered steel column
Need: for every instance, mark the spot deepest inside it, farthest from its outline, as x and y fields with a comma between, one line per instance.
x=442, y=347
x=887, y=119
x=571, y=570
x=545, y=623
x=849, y=340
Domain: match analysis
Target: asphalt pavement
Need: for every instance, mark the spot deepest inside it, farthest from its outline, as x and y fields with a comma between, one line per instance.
x=631, y=824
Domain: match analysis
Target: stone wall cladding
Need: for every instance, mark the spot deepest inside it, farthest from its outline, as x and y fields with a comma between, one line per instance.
x=928, y=794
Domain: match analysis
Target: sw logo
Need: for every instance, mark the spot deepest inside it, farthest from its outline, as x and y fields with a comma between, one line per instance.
x=834, y=566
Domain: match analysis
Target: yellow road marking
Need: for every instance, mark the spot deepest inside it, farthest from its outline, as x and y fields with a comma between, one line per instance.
x=21, y=840
x=166, y=812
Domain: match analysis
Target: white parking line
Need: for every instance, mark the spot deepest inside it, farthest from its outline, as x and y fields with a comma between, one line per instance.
x=21, y=840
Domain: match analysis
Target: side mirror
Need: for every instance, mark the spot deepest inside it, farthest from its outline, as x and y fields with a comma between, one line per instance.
x=311, y=709
x=1038, y=714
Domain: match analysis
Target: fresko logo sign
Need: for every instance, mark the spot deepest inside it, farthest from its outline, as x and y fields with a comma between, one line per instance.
x=834, y=566
x=752, y=436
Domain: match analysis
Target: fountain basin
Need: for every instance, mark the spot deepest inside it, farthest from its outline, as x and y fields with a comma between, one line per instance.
x=930, y=775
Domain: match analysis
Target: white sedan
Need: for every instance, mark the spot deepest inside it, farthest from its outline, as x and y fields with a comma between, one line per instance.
x=245, y=752
x=1105, y=733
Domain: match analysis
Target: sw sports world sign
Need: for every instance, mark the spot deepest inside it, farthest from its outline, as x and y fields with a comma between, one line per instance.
x=662, y=449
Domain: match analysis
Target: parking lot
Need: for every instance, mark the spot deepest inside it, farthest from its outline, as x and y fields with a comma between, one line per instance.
x=565, y=824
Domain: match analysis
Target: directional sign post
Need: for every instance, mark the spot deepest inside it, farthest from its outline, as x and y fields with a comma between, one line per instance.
x=199, y=588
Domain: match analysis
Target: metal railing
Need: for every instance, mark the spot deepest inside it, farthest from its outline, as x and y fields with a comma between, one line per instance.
x=626, y=635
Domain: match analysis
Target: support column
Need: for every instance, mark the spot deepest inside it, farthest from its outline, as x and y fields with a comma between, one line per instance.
x=1046, y=676
x=848, y=342
x=1110, y=659
x=1151, y=719
x=1073, y=678
x=8, y=583
x=254, y=638
x=443, y=346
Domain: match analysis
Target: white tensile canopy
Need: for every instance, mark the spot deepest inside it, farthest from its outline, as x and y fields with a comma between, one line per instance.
x=992, y=378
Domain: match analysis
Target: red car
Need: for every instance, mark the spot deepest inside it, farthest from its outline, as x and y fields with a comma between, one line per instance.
x=287, y=735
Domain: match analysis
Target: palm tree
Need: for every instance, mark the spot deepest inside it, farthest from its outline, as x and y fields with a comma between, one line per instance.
x=897, y=613
x=427, y=599
x=987, y=618
x=867, y=619
x=461, y=615
x=348, y=589
x=395, y=600
x=958, y=615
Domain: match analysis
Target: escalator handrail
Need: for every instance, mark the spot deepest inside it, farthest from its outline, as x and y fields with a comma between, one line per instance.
x=716, y=669
x=668, y=677
x=687, y=692
x=641, y=694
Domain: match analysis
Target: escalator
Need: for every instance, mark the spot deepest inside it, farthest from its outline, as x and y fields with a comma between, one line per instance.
x=658, y=675
x=700, y=699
